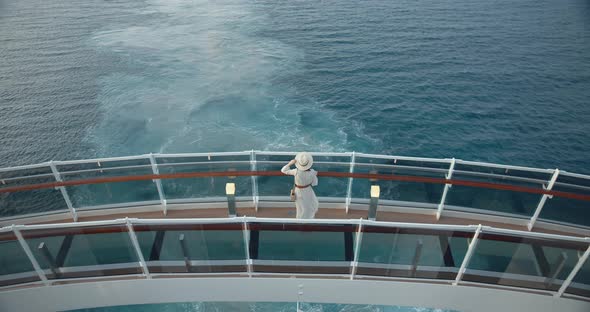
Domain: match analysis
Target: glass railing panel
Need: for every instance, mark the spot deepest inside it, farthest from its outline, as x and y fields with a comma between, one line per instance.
x=83, y=251
x=327, y=186
x=206, y=187
x=495, y=201
x=522, y=262
x=15, y=266
x=568, y=210
x=416, y=163
x=284, y=159
x=535, y=176
x=9, y=175
x=302, y=248
x=72, y=167
x=111, y=193
x=581, y=283
x=208, y=248
x=415, y=192
x=578, y=182
x=30, y=202
x=417, y=253
x=492, y=201
x=34, y=201
x=274, y=186
x=188, y=159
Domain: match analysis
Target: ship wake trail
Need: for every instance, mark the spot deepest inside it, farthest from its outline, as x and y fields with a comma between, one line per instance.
x=198, y=78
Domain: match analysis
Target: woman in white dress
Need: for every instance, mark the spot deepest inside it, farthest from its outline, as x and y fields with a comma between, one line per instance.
x=305, y=200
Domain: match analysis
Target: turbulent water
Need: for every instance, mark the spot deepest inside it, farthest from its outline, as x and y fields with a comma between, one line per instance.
x=494, y=80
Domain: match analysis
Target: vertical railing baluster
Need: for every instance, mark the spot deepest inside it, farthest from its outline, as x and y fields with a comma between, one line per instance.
x=357, y=248
x=470, y=251
x=556, y=270
x=446, y=190
x=416, y=259
x=573, y=273
x=63, y=191
x=246, y=233
x=350, y=181
x=543, y=200
x=254, y=180
x=30, y=255
x=135, y=244
x=158, y=182
x=185, y=254
x=48, y=258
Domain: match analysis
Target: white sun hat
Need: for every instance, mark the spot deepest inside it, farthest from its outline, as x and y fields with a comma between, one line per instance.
x=303, y=161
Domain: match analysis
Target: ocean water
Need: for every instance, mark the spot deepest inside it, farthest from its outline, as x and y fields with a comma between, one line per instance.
x=492, y=80
x=257, y=307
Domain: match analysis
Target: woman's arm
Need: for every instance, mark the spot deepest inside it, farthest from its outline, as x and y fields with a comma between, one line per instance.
x=287, y=168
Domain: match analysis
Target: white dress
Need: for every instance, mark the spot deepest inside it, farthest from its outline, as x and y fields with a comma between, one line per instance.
x=306, y=202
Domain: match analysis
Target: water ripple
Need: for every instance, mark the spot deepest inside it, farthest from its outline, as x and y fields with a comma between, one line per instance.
x=499, y=81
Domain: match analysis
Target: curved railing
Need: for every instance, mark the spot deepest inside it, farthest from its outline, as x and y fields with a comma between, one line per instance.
x=442, y=185
x=476, y=255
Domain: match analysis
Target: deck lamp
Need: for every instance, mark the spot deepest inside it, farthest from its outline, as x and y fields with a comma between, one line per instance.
x=375, y=190
x=230, y=191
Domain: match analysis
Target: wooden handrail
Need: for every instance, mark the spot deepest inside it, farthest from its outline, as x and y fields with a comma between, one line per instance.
x=383, y=177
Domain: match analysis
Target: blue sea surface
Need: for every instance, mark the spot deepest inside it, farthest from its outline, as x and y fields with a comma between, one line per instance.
x=257, y=307
x=491, y=80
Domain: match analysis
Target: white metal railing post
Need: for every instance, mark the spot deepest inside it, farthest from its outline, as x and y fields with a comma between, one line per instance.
x=543, y=200
x=357, y=248
x=63, y=191
x=354, y=263
x=30, y=255
x=254, y=179
x=446, y=190
x=158, y=182
x=573, y=273
x=468, y=255
x=247, y=246
x=135, y=244
x=350, y=181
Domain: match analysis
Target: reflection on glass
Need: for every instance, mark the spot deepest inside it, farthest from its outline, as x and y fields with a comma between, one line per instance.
x=15, y=266
x=565, y=209
x=25, y=202
x=412, y=253
x=496, y=201
x=274, y=186
x=522, y=262
x=112, y=193
x=83, y=252
x=109, y=193
x=193, y=248
x=581, y=283
x=324, y=249
x=398, y=190
x=492, y=200
x=183, y=188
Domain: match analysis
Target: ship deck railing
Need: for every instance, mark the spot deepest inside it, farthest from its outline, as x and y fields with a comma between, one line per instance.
x=438, y=187
x=464, y=222
x=470, y=255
